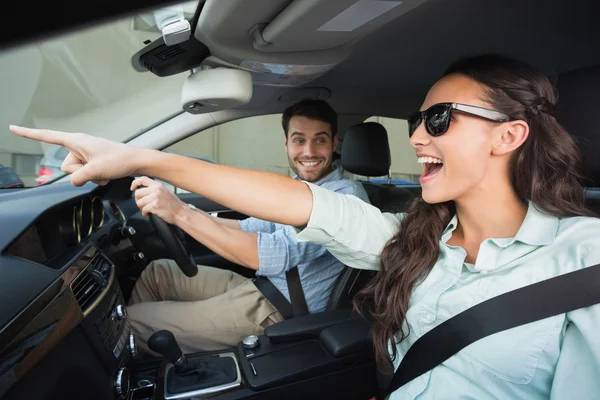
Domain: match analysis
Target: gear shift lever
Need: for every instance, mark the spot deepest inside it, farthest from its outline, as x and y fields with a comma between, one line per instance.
x=163, y=342
x=197, y=373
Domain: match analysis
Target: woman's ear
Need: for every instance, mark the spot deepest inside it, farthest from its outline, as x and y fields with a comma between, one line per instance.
x=509, y=136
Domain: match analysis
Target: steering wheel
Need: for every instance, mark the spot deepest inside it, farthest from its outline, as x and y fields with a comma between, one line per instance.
x=173, y=237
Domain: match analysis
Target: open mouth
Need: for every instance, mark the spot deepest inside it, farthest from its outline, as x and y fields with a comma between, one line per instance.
x=431, y=166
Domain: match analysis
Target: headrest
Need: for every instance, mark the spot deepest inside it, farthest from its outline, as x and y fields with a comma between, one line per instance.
x=579, y=112
x=366, y=151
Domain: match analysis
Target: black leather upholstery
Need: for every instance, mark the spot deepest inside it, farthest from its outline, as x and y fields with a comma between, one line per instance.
x=592, y=197
x=390, y=198
x=350, y=281
x=305, y=326
x=579, y=112
x=366, y=151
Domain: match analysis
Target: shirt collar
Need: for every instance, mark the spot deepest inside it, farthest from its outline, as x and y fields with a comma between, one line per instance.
x=334, y=175
x=538, y=229
x=449, y=229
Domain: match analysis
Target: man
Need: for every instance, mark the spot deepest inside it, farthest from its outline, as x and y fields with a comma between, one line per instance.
x=217, y=308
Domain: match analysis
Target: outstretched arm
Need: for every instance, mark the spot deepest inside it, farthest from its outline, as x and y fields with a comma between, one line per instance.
x=264, y=195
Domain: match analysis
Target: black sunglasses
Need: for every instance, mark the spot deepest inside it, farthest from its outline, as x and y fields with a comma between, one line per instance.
x=437, y=117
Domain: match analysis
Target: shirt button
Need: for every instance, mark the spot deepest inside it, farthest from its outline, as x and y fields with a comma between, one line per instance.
x=484, y=272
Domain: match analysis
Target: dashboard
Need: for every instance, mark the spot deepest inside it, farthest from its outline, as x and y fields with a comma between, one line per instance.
x=60, y=251
x=55, y=232
x=45, y=228
x=69, y=257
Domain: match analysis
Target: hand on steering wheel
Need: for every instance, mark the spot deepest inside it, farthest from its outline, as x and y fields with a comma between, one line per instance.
x=160, y=205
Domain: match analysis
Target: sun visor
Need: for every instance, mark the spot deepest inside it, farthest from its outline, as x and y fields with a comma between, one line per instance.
x=324, y=24
x=210, y=90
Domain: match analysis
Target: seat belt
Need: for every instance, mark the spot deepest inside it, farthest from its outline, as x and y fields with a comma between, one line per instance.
x=298, y=305
x=275, y=297
x=296, y=293
x=541, y=300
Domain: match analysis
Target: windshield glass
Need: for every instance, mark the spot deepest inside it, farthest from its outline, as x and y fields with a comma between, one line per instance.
x=82, y=82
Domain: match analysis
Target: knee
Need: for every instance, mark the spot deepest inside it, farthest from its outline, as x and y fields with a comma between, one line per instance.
x=154, y=269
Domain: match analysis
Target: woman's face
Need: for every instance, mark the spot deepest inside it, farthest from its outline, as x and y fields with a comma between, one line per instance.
x=466, y=150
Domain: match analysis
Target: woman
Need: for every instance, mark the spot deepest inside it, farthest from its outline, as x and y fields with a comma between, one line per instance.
x=501, y=208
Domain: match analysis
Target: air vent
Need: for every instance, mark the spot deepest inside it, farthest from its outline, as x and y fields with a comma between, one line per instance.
x=100, y=270
x=86, y=289
x=90, y=284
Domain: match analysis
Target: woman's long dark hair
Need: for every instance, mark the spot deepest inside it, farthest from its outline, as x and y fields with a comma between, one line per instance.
x=545, y=170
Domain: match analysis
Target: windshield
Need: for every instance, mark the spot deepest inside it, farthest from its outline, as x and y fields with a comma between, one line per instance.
x=82, y=82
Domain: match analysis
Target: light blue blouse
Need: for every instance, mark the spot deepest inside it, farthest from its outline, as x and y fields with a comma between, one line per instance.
x=555, y=358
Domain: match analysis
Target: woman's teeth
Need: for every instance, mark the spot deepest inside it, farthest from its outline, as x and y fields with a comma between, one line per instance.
x=429, y=160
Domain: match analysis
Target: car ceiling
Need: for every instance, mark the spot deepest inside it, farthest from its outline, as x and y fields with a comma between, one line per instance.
x=388, y=71
x=391, y=70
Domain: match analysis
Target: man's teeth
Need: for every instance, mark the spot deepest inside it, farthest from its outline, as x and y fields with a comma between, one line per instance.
x=309, y=163
x=429, y=160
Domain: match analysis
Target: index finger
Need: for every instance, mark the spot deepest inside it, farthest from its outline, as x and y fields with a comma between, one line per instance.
x=43, y=135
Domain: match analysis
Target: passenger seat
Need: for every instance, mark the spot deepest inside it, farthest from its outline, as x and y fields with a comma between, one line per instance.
x=366, y=152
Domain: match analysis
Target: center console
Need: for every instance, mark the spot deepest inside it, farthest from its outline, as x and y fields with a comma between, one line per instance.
x=105, y=320
x=325, y=355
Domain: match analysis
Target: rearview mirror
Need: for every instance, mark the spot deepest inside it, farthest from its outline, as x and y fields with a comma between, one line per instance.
x=211, y=90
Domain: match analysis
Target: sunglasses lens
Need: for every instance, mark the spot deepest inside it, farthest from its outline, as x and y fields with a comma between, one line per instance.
x=414, y=120
x=437, y=119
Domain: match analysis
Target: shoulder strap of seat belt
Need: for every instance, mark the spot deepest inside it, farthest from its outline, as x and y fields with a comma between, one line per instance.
x=531, y=303
x=275, y=297
x=296, y=293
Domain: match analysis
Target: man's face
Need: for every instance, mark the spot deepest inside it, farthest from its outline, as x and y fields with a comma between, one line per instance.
x=310, y=146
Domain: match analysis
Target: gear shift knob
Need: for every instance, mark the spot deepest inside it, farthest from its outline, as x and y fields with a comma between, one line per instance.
x=163, y=342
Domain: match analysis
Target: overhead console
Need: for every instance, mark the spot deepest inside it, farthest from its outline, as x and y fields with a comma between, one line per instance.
x=245, y=56
x=280, y=42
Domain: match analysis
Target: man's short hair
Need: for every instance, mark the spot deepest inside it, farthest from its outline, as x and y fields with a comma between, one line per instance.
x=319, y=110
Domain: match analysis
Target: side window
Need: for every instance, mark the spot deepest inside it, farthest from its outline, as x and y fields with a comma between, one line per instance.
x=26, y=166
x=405, y=168
x=252, y=143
